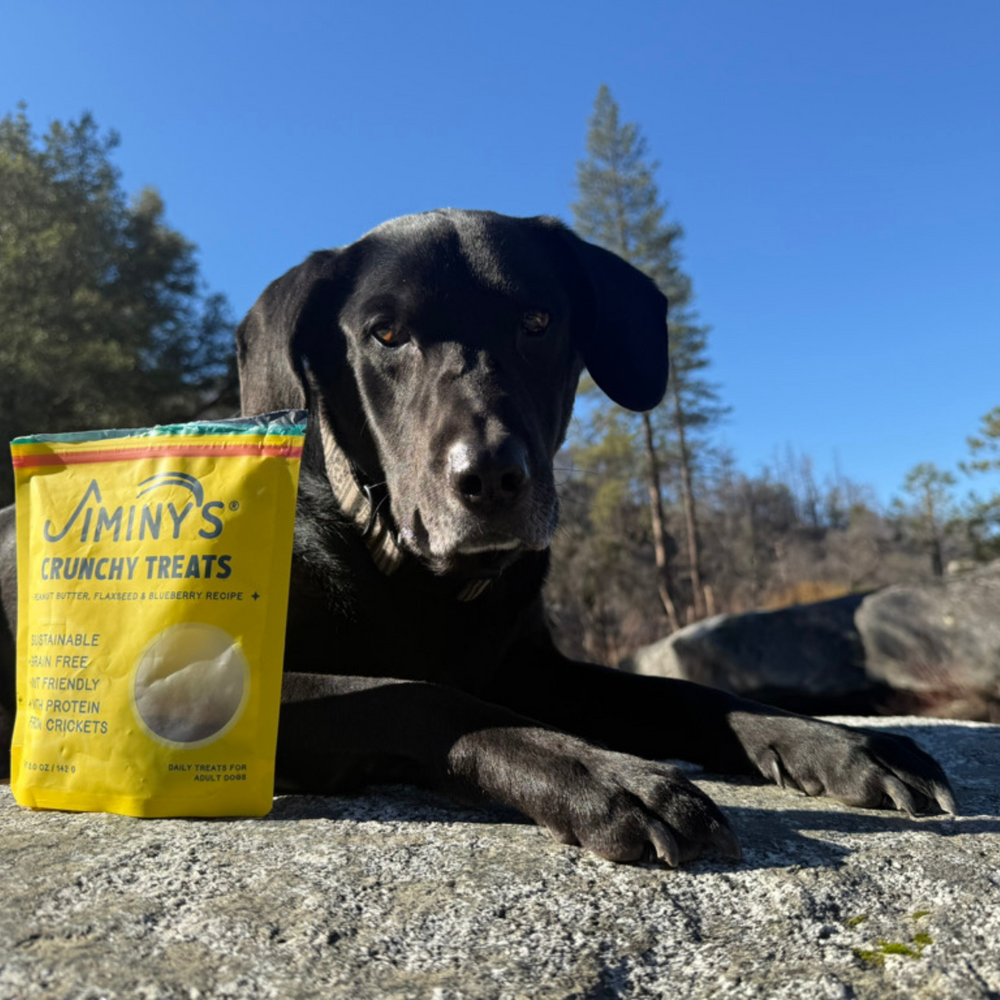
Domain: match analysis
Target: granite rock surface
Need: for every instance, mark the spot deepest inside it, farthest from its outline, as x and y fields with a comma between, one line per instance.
x=935, y=636
x=397, y=894
x=802, y=656
x=929, y=648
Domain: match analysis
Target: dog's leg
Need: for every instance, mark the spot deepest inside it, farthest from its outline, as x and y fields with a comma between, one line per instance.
x=338, y=732
x=659, y=718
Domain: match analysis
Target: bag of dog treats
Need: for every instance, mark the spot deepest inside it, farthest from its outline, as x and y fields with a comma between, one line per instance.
x=153, y=571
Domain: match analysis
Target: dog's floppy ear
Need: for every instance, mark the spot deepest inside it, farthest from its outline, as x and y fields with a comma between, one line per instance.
x=623, y=340
x=278, y=334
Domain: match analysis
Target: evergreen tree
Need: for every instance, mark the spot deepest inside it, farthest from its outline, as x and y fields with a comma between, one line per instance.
x=930, y=510
x=985, y=446
x=619, y=207
x=103, y=318
x=983, y=512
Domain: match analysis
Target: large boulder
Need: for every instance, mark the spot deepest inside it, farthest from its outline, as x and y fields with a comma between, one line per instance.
x=396, y=894
x=941, y=637
x=929, y=648
x=807, y=657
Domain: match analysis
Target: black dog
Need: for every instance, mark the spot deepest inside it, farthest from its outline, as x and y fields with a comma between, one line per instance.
x=438, y=357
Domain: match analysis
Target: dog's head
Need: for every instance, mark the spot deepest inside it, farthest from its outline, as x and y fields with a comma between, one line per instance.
x=442, y=351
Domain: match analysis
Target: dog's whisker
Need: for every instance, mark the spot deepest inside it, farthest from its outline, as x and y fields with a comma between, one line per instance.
x=573, y=469
x=574, y=501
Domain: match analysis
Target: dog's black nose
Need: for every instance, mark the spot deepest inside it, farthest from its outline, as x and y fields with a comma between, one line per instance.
x=486, y=479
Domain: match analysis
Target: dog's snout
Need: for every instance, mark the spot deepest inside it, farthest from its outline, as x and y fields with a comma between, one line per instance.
x=488, y=479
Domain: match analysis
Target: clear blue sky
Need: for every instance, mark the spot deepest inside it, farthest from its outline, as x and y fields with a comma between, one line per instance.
x=836, y=167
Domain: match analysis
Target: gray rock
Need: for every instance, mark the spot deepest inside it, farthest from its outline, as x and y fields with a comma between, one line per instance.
x=806, y=657
x=394, y=894
x=941, y=636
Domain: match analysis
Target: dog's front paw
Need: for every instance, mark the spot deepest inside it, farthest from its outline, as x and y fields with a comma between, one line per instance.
x=628, y=809
x=860, y=767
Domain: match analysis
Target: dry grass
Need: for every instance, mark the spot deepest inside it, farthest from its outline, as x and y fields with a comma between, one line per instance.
x=805, y=592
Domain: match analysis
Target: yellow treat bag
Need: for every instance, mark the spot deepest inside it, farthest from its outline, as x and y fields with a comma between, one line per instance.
x=153, y=572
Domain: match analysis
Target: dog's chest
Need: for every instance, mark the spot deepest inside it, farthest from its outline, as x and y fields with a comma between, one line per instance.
x=385, y=629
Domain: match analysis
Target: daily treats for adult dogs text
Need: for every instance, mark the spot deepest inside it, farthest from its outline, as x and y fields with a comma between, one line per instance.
x=153, y=574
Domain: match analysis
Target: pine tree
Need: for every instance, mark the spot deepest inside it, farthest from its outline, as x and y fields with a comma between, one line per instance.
x=104, y=319
x=983, y=512
x=931, y=508
x=619, y=207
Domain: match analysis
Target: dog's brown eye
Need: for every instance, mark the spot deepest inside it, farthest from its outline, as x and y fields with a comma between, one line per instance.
x=536, y=322
x=389, y=336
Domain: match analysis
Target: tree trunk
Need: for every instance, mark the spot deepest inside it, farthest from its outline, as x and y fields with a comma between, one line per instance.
x=933, y=534
x=659, y=531
x=690, y=514
x=937, y=560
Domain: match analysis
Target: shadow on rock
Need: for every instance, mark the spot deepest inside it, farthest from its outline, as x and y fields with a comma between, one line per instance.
x=389, y=803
